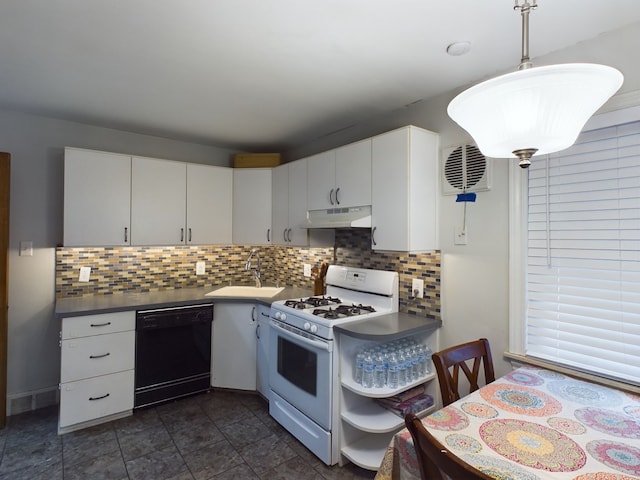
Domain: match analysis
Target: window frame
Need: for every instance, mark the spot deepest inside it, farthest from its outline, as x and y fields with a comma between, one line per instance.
x=518, y=219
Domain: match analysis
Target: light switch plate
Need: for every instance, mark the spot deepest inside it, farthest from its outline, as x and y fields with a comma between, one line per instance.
x=85, y=274
x=26, y=248
x=307, y=269
x=200, y=268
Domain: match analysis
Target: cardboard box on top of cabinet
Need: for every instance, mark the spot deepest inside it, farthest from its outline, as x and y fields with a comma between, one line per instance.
x=256, y=160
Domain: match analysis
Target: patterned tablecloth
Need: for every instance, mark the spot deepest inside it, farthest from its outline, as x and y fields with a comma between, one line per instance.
x=533, y=424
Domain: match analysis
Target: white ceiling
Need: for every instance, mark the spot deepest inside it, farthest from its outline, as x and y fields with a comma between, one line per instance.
x=265, y=75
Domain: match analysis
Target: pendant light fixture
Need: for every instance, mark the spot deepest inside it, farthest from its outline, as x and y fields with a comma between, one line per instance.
x=535, y=110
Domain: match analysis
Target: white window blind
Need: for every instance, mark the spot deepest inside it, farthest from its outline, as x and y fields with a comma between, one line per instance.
x=583, y=268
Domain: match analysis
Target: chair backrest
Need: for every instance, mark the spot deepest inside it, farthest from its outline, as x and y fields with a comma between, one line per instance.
x=455, y=358
x=434, y=460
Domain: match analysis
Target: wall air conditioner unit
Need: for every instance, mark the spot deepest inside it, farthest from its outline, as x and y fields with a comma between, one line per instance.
x=464, y=169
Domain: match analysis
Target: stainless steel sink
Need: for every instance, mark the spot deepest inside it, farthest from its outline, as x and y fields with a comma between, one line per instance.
x=242, y=291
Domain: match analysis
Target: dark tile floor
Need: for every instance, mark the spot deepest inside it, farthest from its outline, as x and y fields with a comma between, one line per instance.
x=217, y=435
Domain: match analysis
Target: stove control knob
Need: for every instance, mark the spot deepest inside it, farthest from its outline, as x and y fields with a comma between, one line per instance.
x=307, y=326
x=281, y=316
x=314, y=329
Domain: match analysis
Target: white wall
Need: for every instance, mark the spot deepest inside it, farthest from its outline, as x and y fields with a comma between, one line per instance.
x=37, y=146
x=475, y=277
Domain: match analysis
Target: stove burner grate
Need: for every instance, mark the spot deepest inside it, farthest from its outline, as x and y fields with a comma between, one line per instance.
x=342, y=311
x=322, y=301
x=297, y=304
x=330, y=313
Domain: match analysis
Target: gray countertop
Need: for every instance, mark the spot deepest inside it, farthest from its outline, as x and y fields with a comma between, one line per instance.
x=96, y=304
x=388, y=327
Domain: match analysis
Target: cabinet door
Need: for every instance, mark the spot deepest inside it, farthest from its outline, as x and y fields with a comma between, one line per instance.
x=158, y=202
x=390, y=181
x=97, y=198
x=321, y=180
x=353, y=174
x=252, y=206
x=262, y=356
x=209, y=197
x=404, y=190
x=233, y=350
x=280, y=204
x=298, y=203
x=95, y=397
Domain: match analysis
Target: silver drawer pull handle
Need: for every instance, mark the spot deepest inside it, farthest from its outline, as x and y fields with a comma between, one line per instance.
x=91, y=399
x=100, y=356
x=100, y=324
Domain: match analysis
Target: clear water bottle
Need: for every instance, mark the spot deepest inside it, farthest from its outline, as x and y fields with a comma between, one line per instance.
x=357, y=367
x=402, y=368
x=380, y=376
x=415, y=362
x=411, y=364
x=427, y=360
x=368, y=369
x=392, y=372
x=420, y=364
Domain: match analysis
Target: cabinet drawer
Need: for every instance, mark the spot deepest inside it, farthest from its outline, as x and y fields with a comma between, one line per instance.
x=95, y=397
x=97, y=355
x=83, y=326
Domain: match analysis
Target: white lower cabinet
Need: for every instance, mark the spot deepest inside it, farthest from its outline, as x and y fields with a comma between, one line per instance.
x=97, y=369
x=366, y=428
x=233, y=346
x=262, y=359
x=94, y=398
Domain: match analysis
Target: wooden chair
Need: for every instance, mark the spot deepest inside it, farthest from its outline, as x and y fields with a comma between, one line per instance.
x=434, y=460
x=456, y=358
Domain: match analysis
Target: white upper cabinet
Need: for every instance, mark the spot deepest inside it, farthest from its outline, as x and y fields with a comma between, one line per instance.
x=289, y=203
x=97, y=196
x=321, y=177
x=340, y=177
x=280, y=204
x=158, y=201
x=112, y=199
x=209, y=204
x=298, y=203
x=353, y=174
x=252, y=206
x=404, y=190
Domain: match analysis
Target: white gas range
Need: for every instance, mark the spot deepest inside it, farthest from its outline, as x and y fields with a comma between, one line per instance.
x=303, y=363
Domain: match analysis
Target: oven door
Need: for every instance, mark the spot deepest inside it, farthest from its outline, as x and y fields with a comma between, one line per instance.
x=300, y=370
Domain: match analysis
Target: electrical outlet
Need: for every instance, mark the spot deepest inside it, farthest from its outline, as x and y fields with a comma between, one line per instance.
x=200, y=268
x=307, y=270
x=417, y=288
x=461, y=236
x=85, y=274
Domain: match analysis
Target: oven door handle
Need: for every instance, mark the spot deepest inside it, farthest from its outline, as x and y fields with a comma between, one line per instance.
x=307, y=341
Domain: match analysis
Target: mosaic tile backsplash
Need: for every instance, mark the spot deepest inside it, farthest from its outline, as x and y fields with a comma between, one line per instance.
x=117, y=270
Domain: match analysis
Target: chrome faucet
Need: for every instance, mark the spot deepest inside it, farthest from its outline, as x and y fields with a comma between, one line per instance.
x=256, y=271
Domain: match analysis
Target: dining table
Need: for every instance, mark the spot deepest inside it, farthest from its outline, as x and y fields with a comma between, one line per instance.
x=532, y=424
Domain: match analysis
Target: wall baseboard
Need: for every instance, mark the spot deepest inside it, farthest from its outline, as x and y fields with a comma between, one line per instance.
x=33, y=400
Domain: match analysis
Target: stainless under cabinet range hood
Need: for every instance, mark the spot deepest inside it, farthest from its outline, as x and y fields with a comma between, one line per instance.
x=344, y=217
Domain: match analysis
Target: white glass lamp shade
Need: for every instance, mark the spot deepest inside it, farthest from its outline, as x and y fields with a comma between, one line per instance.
x=542, y=108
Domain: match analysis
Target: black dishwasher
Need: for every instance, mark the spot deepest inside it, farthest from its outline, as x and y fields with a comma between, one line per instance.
x=173, y=353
